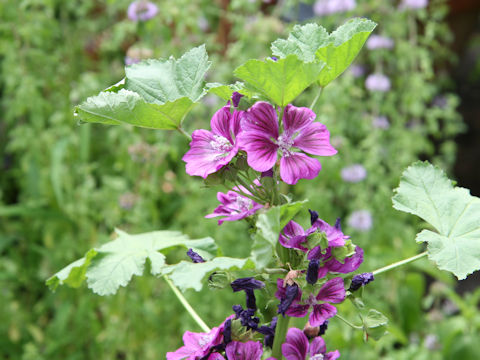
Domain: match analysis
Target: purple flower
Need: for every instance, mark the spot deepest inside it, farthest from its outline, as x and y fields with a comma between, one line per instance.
x=287, y=297
x=293, y=236
x=334, y=234
x=353, y=173
x=141, y=10
x=236, y=96
x=327, y=7
x=296, y=347
x=250, y=350
x=234, y=206
x=413, y=4
x=350, y=264
x=246, y=317
x=357, y=70
x=127, y=201
x=360, y=220
x=130, y=61
x=377, y=82
x=198, y=345
x=379, y=42
x=212, y=150
x=194, y=256
x=332, y=291
x=262, y=141
x=380, y=122
x=248, y=285
x=269, y=332
x=312, y=271
x=313, y=216
x=360, y=280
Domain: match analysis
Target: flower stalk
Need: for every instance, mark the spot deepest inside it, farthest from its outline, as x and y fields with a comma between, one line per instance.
x=280, y=335
x=399, y=263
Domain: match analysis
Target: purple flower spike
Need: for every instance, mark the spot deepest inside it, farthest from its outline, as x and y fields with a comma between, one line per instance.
x=234, y=206
x=212, y=150
x=141, y=10
x=377, y=82
x=287, y=295
x=236, y=96
x=379, y=42
x=296, y=347
x=312, y=271
x=262, y=141
x=360, y=220
x=246, y=317
x=354, y=173
x=194, y=256
x=248, y=285
x=250, y=350
x=327, y=7
x=357, y=70
x=360, y=280
x=414, y=4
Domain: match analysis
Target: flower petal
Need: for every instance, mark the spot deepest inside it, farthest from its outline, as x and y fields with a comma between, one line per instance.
x=317, y=346
x=262, y=119
x=315, y=139
x=297, y=118
x=250, y=350
x=220, y=123
x=297, y=310
x=350, y=264
x=296, y=345
x=332, y=355
x=321, y=313
x=181, y=353
x=332, y=291
x=296, y=166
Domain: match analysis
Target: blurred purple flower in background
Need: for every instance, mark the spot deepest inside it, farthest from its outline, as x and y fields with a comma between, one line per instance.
x=357, y=70
x=360, y=220
x=141, y=10
x=327, y=7
x=380, y=122
x=127, y=201
x=203, y=23
x=136, y=54
x=413, y=4
x=353, y=173
x=377, y=82
x=379, y=42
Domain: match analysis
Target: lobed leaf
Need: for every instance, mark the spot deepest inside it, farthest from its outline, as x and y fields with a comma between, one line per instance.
x=426, y=191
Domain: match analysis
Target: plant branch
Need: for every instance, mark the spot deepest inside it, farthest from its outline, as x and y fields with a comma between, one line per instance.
x=186, y=305
x=399, y=263
x=280, y=335
x=357, y=327
x=314, y=102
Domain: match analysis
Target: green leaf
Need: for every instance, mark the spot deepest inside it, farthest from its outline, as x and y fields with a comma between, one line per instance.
x=161, y=81
x=114, y=263
x=188, y=275
x=338, y=50
x=375, y=324
x=269, y=225
x=127, y=107
x=427, y=192
x=281, y=81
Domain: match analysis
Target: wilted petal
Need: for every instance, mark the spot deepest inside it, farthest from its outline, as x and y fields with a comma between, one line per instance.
x=296, y=345
x=315, y=139
x=320, y=313
x=296, y=166
x=332, y=291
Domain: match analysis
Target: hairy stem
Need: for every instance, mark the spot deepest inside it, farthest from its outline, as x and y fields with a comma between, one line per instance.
x=186, y=305
x=399, y=263
x=184, y=133
x=314, y=102
x=349, y=323
x=280, y=335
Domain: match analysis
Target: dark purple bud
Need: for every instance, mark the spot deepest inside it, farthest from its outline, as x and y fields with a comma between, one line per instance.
x=323, y=328
x=227, y=331
x=246, y=284
x=194, y=256
x=312, y=272
x=360, y=280
x=246, y=317
x=313, y=216
x=268, y=173
x=236, y=96
x=274, y=58
x=251, y=301
x=269, y=332
x=291, y=293
x=337, y=224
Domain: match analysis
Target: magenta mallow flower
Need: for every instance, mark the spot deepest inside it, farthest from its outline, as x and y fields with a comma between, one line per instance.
x=296, y=347
x=413, y=4
x=263, y=142
x=212, y=150
x=353, y=173
x=327, y=7
x=332, y=265
x=379, y=42
x=234, y=206
x=250, y=350
x=141, y=10
x=332, y=291
x=198, y=345
x=360, y=220
x=377, y=82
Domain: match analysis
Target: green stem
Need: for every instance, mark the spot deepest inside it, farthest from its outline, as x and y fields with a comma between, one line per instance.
x=187, y=306
x=280, y=335
x=349, y=323
x=399, y=263
x=275, y=271
x=184, y=133
x=314, y=102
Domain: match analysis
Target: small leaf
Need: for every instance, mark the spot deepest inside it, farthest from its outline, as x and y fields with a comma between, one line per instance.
x=188, y=275
x=375, y=324
x=426, y=192
x=114, y=263
x=281, y=81
x=128, y=107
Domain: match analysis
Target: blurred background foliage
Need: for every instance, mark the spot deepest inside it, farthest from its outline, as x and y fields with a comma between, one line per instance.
x=63, y=187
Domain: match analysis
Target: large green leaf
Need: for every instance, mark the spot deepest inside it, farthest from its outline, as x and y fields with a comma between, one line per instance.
x=269, y=225
x=127, y=107
x=338, y=50
x=427, y=192
x=161, y=81
x=281, y=81
x=187, y=275
x=113, y=264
